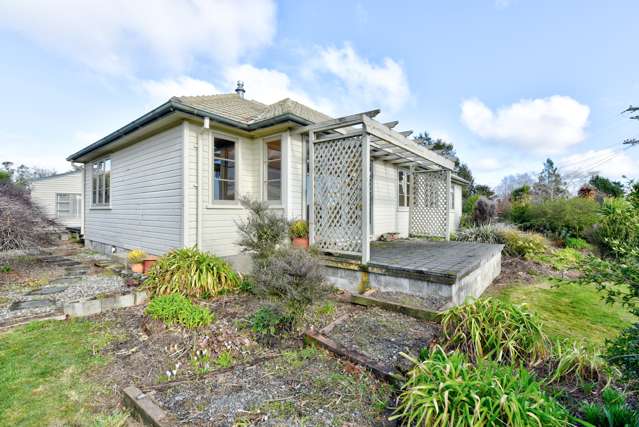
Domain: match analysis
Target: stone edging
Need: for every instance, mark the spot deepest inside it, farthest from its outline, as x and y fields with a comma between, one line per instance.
x=98, y=305
x=417, y=313
x=148, y=412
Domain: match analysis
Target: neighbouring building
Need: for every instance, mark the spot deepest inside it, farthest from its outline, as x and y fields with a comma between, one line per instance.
x=60, y=197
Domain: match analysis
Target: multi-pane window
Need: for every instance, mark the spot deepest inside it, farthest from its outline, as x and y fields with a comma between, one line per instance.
x=101, y=183
x=68, y=205
x=404, y=188
x=452, y=197
x=224, y=169
x=273, y=170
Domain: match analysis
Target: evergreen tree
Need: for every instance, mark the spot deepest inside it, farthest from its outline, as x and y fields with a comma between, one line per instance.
x=550, y=184
x=606, y=186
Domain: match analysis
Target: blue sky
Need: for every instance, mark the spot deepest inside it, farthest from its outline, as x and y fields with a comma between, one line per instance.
x=508, y=82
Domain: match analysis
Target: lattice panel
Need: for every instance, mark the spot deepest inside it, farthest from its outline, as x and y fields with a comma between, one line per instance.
x=338, y=195
x=429, y=214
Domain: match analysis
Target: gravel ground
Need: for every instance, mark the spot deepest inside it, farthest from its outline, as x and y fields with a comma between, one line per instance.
x=382, y=335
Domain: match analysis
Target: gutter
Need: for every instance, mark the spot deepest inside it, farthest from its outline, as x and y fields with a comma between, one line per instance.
x=176, y=106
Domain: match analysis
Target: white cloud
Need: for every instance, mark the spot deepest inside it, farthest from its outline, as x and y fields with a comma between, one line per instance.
x=109, y=36
x=608, y=162
x=547, y=125
x=163, y=90
x=355, y=82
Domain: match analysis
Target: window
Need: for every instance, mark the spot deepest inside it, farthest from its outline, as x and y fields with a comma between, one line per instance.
x=452, y=197
x=68, y=205
x=404, y=188
x=101, y=183
x=223, y=169
x=273, y=171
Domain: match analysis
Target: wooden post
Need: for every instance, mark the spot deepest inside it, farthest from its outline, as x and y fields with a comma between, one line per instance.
x=448, y=205
x=411, y=200
x=366, y=165
x=311, y=191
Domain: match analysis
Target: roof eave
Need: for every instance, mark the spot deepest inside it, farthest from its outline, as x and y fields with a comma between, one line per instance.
x=176, y=106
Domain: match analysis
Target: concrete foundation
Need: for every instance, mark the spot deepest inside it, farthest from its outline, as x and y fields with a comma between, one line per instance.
x=349, y=275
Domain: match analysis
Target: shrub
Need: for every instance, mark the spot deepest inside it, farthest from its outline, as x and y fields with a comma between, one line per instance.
x=484, y=211
x=176, y=309
x=263, y=231
x=558, y=217
x=517, y=243
x=447, y=390
x=576, y=243
x=617, y=233
x=623, y=352
x=136, y=256
x=578, y=362
x=298, y=229
x=191, y=273
x=491, y=329
x=291, y=274
x=270, y=320
x=469, y=204
x=614, y=411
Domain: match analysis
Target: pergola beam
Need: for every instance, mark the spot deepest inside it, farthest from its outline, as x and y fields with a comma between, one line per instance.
x=406, y=133
x=340, y=122
x=392, y=124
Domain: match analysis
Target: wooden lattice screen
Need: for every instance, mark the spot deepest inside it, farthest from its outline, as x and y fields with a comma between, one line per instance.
x=429, y=212
x=338, y=195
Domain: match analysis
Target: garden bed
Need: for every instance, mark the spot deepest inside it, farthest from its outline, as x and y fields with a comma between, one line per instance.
x=260, y=381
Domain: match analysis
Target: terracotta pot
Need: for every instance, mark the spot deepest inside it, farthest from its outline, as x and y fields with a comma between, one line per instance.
x=138, y=267
x=148, y=263
x=300, y=242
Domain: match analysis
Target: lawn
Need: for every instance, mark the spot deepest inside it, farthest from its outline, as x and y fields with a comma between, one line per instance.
x=570, y=310
x=43, y=367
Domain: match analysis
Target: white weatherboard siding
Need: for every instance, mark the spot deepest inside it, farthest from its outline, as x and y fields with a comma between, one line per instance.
x=43, y=194
x=146, y=197
x=385, y=190
x=297, y=176
x=403, y=222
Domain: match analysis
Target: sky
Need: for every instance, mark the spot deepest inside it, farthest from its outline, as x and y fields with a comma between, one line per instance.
x=508, y=82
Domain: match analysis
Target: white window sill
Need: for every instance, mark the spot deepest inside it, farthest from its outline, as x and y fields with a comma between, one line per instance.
x=403, y=209
x=100, y=208
x=231, y=205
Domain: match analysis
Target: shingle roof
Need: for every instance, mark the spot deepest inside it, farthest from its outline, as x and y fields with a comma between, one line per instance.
x=248, y=111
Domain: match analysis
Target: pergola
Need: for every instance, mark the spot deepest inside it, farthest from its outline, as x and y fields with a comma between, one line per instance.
x=340, y=153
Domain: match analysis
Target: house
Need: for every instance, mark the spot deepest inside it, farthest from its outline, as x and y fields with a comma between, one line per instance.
x=172, y=177
x=60, y=197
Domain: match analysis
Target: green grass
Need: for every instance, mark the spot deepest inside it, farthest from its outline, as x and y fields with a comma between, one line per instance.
x=570, y=310
x=43, y=367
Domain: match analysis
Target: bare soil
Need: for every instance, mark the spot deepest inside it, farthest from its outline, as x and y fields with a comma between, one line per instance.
x=382, y=335
x=274, y=382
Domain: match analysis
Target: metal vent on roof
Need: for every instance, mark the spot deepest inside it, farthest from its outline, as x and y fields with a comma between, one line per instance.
x=240, y=88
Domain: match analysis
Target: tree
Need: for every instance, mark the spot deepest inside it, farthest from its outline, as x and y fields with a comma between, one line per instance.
x=464, y=172
x=606, y=186
x=550, y=185
x=484, y=190
x=521, y=194
x=511, y=182
x=439, y=145
x=23, y=175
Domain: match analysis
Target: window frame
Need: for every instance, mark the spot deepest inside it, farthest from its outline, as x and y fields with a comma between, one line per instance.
x=265, y=162
x=452, y=197
x=75, y=205
x=236, y=161
x=100, y=180
x=403, y=188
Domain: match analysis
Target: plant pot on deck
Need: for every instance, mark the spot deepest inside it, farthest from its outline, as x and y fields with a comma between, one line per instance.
x=300, y=242
x=137, y=267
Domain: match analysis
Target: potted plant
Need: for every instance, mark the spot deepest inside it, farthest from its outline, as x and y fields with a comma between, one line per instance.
x=298, y=231
x=136, y=259
x=148, y=262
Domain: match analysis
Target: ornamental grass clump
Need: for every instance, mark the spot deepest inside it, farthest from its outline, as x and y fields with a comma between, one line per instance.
x=580, y=364
x=448, y=390
x=495, y=330
x=192, y=273
x=176, y=309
